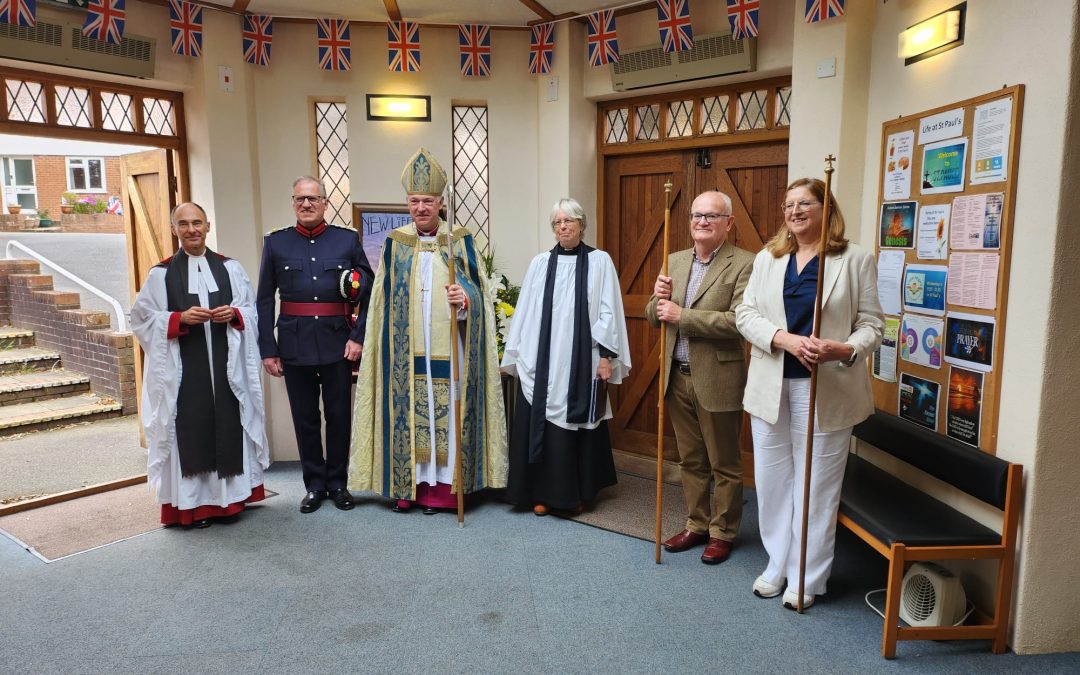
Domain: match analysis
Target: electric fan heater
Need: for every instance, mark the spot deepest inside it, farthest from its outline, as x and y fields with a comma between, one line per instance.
x=931, y=596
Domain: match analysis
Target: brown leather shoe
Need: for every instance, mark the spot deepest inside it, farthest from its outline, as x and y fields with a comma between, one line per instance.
x=716, y=551
x=540, y=510
x=684, y=541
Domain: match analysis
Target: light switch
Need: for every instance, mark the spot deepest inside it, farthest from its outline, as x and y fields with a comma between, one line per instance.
x=553, y=88
x=225, y=78
x=826, y=67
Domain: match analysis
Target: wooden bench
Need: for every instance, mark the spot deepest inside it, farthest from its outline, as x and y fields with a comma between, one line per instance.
x=905, y=524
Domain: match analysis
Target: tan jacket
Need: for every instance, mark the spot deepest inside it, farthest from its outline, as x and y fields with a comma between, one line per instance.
x=717, y=359
x=850, y=313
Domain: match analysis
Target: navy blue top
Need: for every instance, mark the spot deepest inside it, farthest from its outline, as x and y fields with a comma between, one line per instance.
x=302, y=267
x=800, y=291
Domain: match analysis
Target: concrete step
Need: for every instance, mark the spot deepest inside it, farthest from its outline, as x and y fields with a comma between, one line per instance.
x=41, y=386
x=28, y=359
x=24, y=417
x=15, y=338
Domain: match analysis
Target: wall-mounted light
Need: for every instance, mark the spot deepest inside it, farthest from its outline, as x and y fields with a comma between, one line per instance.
x=932, y=36
x=399, y=108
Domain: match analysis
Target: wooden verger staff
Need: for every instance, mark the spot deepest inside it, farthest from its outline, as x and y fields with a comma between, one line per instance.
x=825, y=215
x=663, y=375
x=454, y=365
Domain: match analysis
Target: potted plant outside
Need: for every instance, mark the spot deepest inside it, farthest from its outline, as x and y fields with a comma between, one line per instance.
x=44, y=220
x=14, y=209
x=67, y=202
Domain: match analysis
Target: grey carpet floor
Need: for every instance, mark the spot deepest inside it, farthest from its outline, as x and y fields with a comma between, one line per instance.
x=373, y=591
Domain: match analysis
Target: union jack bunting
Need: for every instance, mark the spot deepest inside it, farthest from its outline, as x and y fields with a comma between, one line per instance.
x=258, y=38
x=18, y=12
x=541, y=48
x=674, y=18
x=105, y=21
x=743, y=17
x=819, y=10
x=403, y=42
x=603, y=43
x=474, y=42
x=334, y=44
x=185, y=26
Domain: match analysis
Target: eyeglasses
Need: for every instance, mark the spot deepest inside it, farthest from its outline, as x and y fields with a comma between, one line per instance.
x=709, y=217
x=803, y=204
x=300, y=199
x=564, y=221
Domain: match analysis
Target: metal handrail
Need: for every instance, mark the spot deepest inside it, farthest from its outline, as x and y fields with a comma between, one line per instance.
x=121, y=320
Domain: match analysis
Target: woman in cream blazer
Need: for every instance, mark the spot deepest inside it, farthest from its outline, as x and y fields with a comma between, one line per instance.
x=776, y=317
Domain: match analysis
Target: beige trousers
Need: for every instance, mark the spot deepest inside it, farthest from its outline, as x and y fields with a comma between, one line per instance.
x=708, y=449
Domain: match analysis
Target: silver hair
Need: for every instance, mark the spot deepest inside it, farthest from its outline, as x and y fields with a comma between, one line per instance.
x=172, y=214
x=311, y=179
x=571, y=208
x=723, y=197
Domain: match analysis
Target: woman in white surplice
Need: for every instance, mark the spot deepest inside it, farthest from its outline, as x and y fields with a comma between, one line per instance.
x=567, y=341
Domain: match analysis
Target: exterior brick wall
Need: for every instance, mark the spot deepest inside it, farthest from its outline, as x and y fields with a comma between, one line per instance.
x=91, y=222
x=84, y=338
x=50, y=178
x=18, y=223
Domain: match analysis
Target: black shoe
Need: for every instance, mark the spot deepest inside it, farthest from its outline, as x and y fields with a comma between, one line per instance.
x=430, y=510
x=201, y=524
x=342, y=499
x=312, y=501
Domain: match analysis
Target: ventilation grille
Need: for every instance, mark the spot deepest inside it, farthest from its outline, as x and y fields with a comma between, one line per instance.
x=129, y=47
x=43, y=33
x=711, y=56
x=64, y=44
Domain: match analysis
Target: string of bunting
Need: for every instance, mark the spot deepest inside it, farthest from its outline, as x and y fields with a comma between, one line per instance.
x=105, y=22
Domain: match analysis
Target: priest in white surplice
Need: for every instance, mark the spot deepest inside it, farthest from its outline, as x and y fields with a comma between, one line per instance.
x=202, y=402
x=567, y=342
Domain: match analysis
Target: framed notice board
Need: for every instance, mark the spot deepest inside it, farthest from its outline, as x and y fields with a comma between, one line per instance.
x=944, y=227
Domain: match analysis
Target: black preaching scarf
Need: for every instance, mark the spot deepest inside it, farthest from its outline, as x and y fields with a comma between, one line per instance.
x=209, y=435
x=581, y=372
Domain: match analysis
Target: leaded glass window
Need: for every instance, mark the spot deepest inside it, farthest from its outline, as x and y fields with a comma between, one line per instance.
x=332, y=157
x=470, y=126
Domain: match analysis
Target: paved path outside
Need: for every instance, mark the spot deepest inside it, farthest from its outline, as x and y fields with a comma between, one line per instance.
x=98, y=259
x=57, y=460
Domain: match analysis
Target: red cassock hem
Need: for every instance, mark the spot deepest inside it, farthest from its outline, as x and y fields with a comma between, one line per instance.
x=170, y=515
x=439, y=497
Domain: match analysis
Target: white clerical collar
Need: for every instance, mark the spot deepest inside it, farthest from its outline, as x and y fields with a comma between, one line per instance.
x=198, y=269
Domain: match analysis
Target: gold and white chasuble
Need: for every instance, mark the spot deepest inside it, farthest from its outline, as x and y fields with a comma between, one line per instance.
x=403, y=425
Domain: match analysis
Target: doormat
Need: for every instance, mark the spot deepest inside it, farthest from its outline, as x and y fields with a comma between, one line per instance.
x=60, y=530
x=629, y=508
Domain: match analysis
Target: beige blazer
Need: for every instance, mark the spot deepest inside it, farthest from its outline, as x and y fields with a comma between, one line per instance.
x=850, y=313
x=717, y=359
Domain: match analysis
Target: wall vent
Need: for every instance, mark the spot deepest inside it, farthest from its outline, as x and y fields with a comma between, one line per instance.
x=65, y=45
x=712, y=55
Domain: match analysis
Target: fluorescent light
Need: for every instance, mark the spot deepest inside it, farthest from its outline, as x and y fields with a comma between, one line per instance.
x=399, y=108
x=936, y=34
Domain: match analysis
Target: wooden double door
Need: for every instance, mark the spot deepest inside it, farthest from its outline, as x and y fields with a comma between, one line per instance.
x=754, y=176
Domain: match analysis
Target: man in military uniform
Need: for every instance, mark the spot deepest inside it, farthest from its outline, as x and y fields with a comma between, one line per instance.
x=320, y=271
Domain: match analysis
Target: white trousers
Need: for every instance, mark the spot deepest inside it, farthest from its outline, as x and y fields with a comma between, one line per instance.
x=779, y=472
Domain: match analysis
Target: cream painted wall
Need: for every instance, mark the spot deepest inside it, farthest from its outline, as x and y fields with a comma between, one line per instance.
x=1005, y=43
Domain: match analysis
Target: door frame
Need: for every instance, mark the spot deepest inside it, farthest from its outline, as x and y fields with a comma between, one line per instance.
x=99, y=130
x=773, y=126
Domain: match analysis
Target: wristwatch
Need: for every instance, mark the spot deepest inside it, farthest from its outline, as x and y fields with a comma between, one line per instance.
x=853, y=358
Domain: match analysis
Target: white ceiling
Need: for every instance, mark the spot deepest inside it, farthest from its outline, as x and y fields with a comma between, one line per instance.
x=494, y=12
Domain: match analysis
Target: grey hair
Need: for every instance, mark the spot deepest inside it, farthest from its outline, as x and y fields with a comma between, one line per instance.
x=571, y=208
x=311, y=179
x=723, y=197
x=172, y=214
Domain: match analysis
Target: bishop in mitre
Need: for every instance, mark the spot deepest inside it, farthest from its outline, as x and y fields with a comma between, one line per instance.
x=202, y=402
x=403, y=435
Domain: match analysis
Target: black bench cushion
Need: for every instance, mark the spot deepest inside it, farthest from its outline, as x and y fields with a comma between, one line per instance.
x=893, y=511
x=977, y=473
